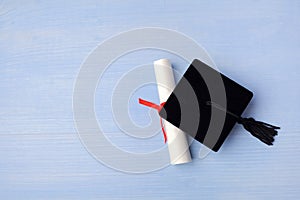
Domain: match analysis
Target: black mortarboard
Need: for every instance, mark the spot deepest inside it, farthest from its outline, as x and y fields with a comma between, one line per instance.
x=206, y=105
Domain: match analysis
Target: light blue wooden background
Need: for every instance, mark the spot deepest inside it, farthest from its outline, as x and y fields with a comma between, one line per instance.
x=42, y=45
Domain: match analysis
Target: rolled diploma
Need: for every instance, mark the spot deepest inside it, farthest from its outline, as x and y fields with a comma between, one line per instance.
x=177, y=140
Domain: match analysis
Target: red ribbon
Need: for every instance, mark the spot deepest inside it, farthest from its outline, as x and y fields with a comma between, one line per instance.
x=158, y=108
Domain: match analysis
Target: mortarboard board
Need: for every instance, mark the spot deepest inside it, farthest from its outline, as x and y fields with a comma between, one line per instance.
x=206, y=105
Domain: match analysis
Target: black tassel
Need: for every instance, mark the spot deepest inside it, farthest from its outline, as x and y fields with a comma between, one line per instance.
x=261, y=130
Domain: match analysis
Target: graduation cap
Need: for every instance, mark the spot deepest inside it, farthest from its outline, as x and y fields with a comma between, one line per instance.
x=206, y=105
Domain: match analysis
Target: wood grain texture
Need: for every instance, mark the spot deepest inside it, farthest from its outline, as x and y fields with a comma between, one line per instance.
x=42, y=45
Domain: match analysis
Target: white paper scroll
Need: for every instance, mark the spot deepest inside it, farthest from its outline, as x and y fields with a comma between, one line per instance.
x=177, y=140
